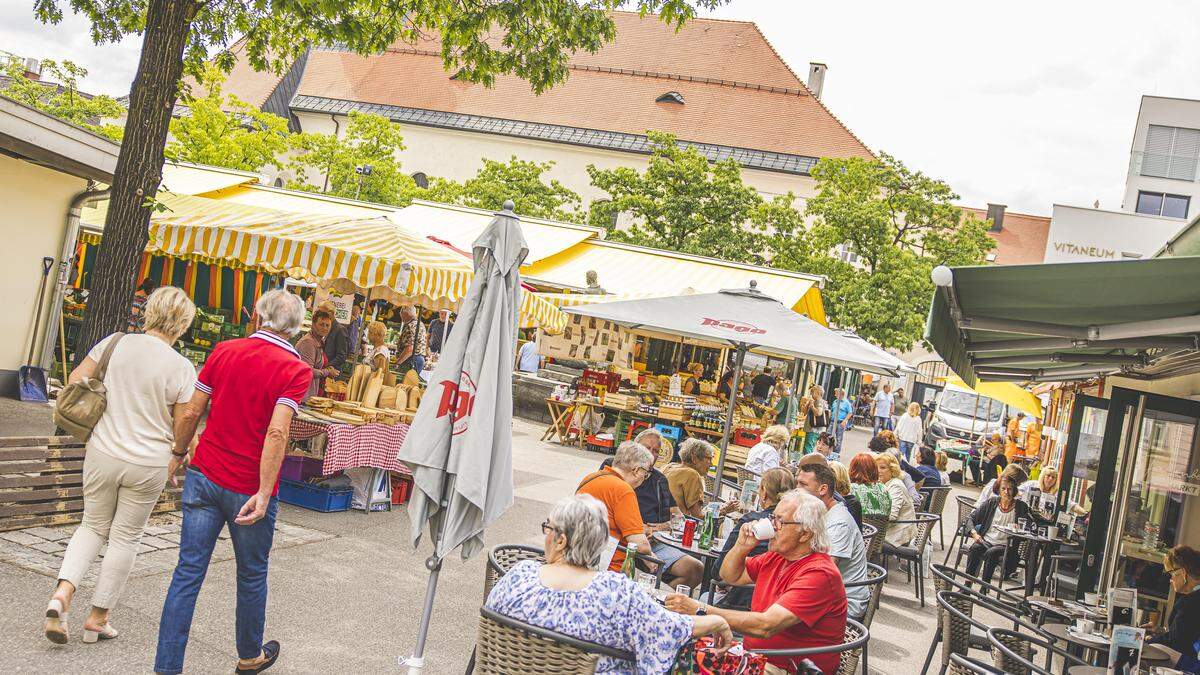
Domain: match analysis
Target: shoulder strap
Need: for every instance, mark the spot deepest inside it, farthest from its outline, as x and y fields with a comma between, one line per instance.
x=102, y=366
x=598, y=474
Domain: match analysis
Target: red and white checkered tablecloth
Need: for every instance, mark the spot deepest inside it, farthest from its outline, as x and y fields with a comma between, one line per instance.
x=351, y=445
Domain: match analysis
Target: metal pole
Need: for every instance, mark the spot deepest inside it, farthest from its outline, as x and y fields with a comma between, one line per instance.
x=433, y=563
x=733, y=390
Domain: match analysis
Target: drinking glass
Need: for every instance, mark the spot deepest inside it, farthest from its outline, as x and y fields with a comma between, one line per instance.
x=646, y=580
x=684, y=589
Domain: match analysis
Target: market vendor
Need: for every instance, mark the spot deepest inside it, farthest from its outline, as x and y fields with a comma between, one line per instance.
x=414, y=341
x=1012, y=437
x=377, y=355
x=337, y=343
x=726, y=383
x=439, y=331
x=692, y=386
x=311, y=348
x=788, y=406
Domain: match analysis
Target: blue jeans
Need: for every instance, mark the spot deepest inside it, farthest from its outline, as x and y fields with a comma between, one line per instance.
x=882, y=423
x=838, y=432
x=207, y=509
x=906, y=450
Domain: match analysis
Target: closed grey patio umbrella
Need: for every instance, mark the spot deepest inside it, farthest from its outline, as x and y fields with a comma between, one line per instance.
x=460, y=443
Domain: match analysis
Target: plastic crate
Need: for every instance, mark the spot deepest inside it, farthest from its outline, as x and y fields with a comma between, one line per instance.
x=635, y=427
x=313, y=497
x=300, y=469
x=601, y=445
x=746, y=438
x=401, y=489
x=671, y=432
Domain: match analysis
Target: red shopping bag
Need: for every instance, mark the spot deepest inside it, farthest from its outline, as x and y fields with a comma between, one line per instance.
x=701, y=658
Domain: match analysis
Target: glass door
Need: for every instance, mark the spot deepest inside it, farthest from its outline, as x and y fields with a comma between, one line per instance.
x=1081, y=459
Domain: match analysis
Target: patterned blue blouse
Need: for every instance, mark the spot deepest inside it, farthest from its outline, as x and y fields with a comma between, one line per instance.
x=611, y=610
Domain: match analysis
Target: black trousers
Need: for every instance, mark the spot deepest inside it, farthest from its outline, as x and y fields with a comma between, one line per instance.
x=989, y=555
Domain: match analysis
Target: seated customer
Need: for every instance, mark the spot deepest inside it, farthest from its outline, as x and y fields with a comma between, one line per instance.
x=799, y=600
x=989, y=543
x=767, y=454
x=992, y=488
x=846, y=493
x=902, y=504
x=686, y=477
x=614, y=486
x=846, y=544
x=927, y=465
x=568, y=595
x=864, y=483
x=657, y=506
x=773, y=485
x=1183, y=624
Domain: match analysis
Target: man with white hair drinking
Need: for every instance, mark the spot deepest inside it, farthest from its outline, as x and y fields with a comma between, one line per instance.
x=799, y=600
x=251, y=388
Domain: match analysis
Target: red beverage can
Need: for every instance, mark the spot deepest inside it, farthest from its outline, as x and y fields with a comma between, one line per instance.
x=689, y=531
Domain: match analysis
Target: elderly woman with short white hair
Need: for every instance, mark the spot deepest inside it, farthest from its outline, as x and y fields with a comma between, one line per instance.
x=125, y=465
x=568, y=595
x=768, y=453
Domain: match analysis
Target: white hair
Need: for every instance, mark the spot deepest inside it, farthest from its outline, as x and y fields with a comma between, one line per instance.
x=809, y=515
x=633, y=455
x=646, y=433
x=168, y=310
x=280, y=311
x=695, y=448
x=583, y=520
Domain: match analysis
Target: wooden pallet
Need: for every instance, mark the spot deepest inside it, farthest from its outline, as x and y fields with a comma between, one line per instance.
x=41, y=482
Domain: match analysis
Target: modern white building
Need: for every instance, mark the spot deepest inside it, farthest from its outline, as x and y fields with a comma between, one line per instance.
x=1163, y=177
x=1080, y=234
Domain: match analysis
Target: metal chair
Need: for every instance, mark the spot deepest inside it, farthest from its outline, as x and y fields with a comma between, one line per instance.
x=869, y=532
x=960, y=608
x=935, y=502
x=881, y=524
x=915, y=553
x=502, y=558
x=961, y=665
x=507, y=646
x=966, y=506
x=1012, y=652
x=853, y=645
x=950, y=579
x=876, y=578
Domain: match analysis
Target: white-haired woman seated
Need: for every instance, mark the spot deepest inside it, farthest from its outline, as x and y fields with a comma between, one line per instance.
x=569, y=596
x=768, y=453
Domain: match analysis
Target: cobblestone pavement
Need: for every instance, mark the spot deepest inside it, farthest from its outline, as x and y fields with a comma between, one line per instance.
x=40, y=549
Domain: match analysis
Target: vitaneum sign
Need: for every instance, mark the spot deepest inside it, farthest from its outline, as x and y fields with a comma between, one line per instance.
x=458, y=400
x=735, y=326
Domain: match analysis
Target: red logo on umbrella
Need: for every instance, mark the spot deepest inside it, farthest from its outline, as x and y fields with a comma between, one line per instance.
x=458, y=400
x=735, y=326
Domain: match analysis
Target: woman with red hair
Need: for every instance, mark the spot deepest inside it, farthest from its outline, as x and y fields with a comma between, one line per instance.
x=864, y=483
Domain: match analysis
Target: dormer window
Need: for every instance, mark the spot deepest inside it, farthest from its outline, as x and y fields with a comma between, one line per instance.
x=670, y=97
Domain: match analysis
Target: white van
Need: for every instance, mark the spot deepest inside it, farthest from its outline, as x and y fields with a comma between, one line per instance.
x=961, y=414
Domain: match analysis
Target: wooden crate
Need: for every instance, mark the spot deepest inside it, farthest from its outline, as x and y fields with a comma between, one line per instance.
x=41, y=482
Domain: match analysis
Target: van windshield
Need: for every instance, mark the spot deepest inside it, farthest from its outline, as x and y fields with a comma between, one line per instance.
x=967, y=404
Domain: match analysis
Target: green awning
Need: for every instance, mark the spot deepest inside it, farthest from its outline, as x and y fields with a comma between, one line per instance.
x=1066, y=321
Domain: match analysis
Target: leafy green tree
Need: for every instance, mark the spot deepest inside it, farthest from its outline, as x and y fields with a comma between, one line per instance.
x=221, y=130
x=518, y=180
x=899, y=224
x=59, y=95
x=684, y=202
x=360, y=165
x=532, y=39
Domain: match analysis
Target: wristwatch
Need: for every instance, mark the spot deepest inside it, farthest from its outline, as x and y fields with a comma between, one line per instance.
x=179, y=454
x=702, y=610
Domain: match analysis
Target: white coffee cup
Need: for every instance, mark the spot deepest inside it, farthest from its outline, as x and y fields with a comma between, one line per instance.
x=1053, y=532
x=763, y=529
x=1092, y=599
x=1085, y=626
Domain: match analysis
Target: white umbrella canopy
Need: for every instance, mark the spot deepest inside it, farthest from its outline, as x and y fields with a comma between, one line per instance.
x=743, y=317
x=460, y=445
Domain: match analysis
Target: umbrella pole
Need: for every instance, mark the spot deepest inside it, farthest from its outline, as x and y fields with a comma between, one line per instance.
x=433, y=563
x=733, y=391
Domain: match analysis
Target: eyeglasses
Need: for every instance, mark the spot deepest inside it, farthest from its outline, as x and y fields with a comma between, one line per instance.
x=777, y=522
x=1171, y=572
x=643, y=469
x=547, y=528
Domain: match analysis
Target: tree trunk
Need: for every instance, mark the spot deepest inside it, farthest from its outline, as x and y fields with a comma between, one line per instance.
x=138, y=172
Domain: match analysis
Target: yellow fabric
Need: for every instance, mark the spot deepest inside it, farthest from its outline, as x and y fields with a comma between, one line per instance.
x=1005, y=392
x=188, y=179
x=624, y=269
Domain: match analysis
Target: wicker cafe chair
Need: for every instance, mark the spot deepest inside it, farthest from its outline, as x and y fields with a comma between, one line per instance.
x=502, y=558
x=876, y=578
x=949, y=579
x=935, y=502
x=506, y=646
x=881, y=524
x=966, y=506
x=1012, y=652
x=961, y=665
x=869, y=532
x=914, y=554
x=957, y=612
x=743, y=475
x=852, y=647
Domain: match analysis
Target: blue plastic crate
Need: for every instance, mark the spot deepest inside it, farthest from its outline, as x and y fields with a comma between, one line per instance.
x=314, y=497
x=670, y=432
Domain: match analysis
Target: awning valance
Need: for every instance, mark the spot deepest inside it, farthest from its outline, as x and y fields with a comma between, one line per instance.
x=1069, y=321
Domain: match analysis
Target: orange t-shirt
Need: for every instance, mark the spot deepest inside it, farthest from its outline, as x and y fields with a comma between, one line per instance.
x=624, y=517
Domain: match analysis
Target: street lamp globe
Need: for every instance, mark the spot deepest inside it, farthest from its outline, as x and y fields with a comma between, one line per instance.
x=942, y=276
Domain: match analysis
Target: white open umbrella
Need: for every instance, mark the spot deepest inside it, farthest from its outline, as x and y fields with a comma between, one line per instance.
x=460, y=443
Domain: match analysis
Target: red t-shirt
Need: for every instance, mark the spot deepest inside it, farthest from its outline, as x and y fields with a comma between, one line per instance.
x=811, y=589
x=245, y=379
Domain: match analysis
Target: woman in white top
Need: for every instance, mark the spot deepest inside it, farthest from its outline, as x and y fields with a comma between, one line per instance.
x=768, y=453
x=910, y=430
x=125, y=465
x=377, y=354
x=902, y=504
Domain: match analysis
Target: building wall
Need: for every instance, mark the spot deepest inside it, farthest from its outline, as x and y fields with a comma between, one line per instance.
x=1171, y=112
x=458, y=155
x=36, y=200
x=1080, y=234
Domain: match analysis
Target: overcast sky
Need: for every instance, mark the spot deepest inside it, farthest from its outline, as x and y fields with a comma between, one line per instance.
x=1023, y=103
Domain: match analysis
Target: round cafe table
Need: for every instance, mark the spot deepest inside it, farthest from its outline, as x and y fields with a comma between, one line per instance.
x=708, y=557
x=1096, y=644
x=1040, y=550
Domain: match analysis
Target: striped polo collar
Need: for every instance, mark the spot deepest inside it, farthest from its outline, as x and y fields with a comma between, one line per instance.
x=275, y=340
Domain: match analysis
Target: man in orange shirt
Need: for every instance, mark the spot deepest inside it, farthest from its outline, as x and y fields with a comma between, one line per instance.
x=1012, y=440
x=614, y=487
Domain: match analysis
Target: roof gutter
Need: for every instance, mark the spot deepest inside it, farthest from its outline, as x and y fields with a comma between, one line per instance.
x=70, y=238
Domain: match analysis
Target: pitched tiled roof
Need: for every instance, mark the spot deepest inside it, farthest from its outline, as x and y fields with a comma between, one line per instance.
x=1022, y=239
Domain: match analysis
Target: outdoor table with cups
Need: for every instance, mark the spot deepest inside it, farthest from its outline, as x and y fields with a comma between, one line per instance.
x=1043, y=542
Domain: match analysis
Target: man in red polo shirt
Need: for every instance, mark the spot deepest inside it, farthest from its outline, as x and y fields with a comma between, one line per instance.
x=254, y=386
x=799, y=599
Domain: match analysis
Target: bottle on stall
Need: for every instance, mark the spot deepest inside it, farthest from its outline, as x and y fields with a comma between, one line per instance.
x=629, y=567
x=708, y=531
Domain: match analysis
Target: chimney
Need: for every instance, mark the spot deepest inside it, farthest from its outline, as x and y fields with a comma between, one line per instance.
x=995, y=213
x=816, y=78
x=33, y=69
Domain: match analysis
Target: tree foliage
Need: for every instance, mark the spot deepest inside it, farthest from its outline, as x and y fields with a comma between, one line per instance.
x=899, y=223
x=518, y=180
x=361, y=164
x=684, y=202
x=58, y=94
x=221, y=130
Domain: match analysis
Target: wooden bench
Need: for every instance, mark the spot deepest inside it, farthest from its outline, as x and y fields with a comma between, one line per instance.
x=41, y=482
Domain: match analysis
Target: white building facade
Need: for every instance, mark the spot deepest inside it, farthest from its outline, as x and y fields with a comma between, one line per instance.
x=1164, y=177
